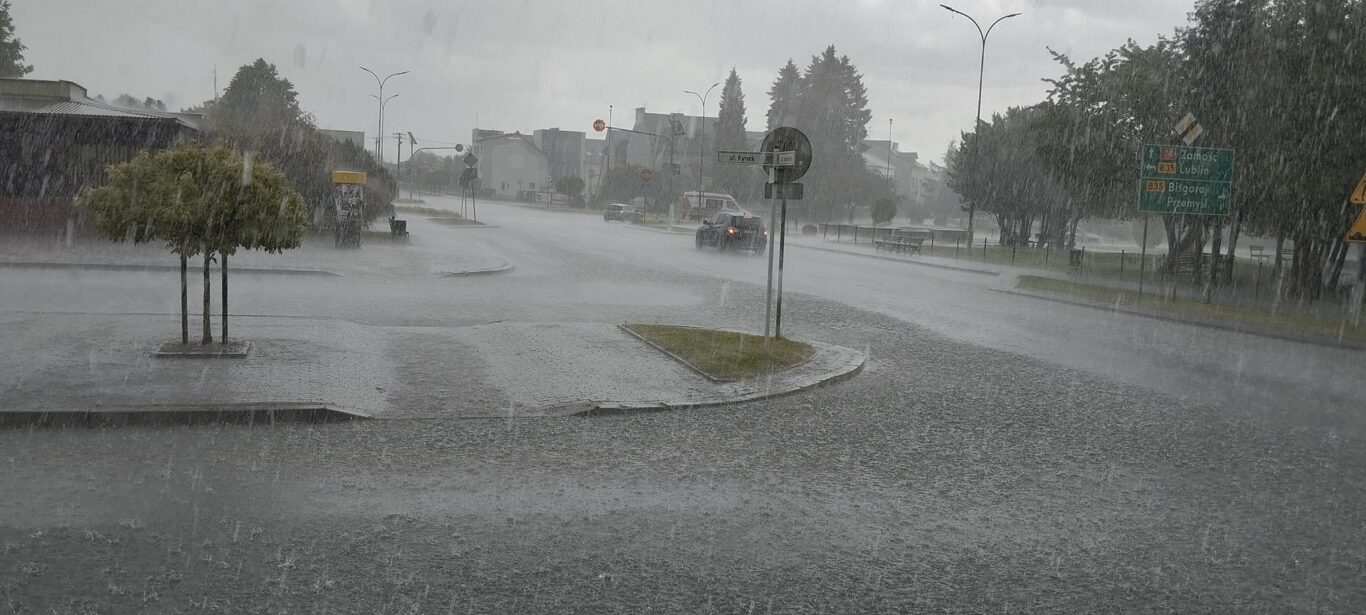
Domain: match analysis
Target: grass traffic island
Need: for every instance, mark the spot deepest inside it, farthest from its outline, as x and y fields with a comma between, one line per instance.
x=440, y=216
x=1223, y=313
x=723, y=355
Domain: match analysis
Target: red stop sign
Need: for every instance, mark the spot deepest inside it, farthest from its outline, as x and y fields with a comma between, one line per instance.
x=647, y=176
x=599, y=125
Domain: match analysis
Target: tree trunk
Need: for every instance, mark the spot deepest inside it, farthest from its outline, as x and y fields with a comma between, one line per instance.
x=1198, y=269
x=1233, y=231
x=208, y=311
x=184, y=301
x=223, y=288
x=1280, y=245
x=1340, y=249
x=1215, y=242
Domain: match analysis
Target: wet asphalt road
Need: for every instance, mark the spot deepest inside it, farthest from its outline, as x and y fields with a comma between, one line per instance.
x=998, y=455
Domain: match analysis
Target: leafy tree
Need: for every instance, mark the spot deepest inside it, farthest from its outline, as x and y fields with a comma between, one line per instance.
x=884, y=210
x=739, y=181
x=259, y=112
x=11, y=49
x=257, y=210
x=199, y=201
x=129, y=101
x=144, y=200
x=571, y=186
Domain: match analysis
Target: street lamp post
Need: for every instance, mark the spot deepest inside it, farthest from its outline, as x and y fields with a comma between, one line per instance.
x=981, y=70
x=379, y=149
x=379, y=138
x=702, y=135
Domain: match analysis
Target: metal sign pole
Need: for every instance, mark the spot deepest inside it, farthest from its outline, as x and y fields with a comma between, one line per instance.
x=782, y=242
x=1143, y=257
x=768, y=297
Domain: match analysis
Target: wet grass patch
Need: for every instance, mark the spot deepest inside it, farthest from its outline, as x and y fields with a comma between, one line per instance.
x=723, y=355
x=1224, y=313
x=426, y=211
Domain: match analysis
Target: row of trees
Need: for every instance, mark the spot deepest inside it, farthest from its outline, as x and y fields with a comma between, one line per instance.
x=827, y=101
x=259, y=112
x=1279, y=81
x=199, y=201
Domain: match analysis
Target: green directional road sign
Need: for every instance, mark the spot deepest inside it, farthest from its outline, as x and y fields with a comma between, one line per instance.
x=1185, y=180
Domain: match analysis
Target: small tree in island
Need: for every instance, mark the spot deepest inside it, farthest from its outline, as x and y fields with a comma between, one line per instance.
x=199, y=201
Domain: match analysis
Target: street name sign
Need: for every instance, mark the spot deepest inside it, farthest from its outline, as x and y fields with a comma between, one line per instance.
x=782, y=159
x=1185, y=180
x=731, y=157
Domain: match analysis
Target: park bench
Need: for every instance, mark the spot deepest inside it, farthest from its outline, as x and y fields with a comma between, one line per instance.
x=900, y=243
x=398, y=229
x=1182, y=263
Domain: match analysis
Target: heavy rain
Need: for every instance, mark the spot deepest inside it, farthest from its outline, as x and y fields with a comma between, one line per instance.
x=887, y=306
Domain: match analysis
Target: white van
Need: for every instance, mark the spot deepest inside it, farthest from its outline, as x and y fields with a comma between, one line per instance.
x=709, y=204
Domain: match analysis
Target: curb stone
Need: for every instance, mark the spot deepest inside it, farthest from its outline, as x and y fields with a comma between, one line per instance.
x=900, y=260
x=265, y=413
x=658, y=230
x=1195, y=321
x=123, y=267
x=504, y=268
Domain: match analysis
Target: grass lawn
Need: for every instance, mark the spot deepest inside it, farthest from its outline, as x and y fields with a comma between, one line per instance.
x=724, y=355
x=426, y=211
x=1289, y=322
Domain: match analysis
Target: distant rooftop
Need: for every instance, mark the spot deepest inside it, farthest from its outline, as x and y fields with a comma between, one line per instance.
x=65, y=98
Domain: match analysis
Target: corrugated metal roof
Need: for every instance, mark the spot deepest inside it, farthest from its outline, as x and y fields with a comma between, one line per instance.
x=82, y=108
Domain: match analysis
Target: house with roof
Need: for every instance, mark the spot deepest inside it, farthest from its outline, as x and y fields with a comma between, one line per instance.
x=510, y=163
x=56, y=141
x=885, y=158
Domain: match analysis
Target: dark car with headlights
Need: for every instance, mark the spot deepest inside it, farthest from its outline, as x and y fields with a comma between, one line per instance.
x=733, y=232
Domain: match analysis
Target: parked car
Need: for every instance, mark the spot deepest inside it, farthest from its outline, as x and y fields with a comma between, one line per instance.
x=729, y=232
x=623, y=212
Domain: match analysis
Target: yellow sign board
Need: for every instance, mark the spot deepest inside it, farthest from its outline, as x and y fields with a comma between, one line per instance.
x=1357, y=234
x=348, y=177
x=1359, y=195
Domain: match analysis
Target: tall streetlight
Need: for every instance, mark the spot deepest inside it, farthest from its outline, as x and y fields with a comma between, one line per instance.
x=379, y=143
x=702, y=137
x=981, y=69
x=379, y=138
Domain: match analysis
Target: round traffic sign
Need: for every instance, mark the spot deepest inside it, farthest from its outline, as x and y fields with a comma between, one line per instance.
x=647, y=176
x=787, y=139
x=599, y=125
x=459, y=148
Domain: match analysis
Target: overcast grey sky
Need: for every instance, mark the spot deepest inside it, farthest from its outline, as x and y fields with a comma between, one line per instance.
x=527, y=64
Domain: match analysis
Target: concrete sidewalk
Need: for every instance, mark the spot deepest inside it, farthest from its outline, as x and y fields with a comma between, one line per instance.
x=433, y=249
x=55, y=362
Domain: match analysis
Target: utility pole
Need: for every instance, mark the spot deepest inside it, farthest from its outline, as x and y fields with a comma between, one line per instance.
x=889, y=154
x=398, y=165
